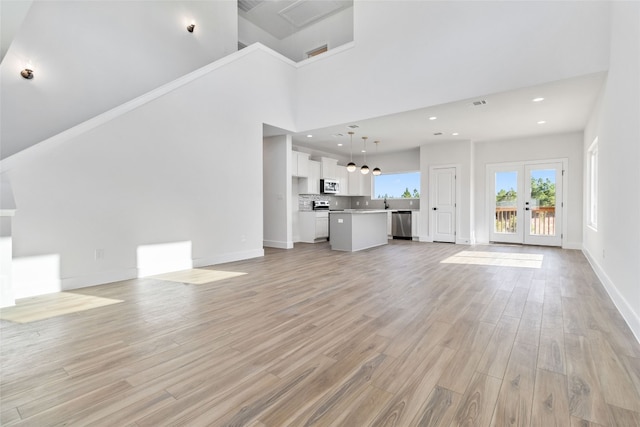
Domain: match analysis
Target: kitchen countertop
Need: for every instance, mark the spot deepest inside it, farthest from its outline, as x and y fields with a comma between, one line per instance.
x=361, y=211
x=371, y=210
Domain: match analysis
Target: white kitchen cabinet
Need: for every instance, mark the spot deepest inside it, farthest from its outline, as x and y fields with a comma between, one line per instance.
x=366, y=185
x=313, y=226
x=322, y=226
x=389, y=224
x=354, y=183
x=415, y=225
x=328, y=169
x=359, y=185
x=310, y=184
x=299, y=164
x=343, y=179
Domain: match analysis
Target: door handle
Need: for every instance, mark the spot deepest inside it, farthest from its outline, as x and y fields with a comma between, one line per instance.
x=435, y=209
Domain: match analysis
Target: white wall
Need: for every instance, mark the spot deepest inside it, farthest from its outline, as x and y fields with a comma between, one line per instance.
x=11, y=15
x=91, y=56
x=452, y=153
x=398, y=161
x=614, y=249
x=248, y=33
x=278, y=200
x=181, y=171
x=535, y=148
x=407, y=49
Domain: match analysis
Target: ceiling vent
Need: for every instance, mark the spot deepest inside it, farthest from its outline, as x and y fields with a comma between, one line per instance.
x=353, y=126
x=247, y=5
x=479, y=103
x=304, y=12
x=438, y=133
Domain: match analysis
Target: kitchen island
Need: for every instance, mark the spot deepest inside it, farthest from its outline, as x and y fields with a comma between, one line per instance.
x=357, y=229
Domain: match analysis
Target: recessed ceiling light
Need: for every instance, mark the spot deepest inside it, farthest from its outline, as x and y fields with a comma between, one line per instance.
x=432, y=118
x=309, y=136
x=541, y=122
x=455, y=134
x=537, y=99
x=339, y=144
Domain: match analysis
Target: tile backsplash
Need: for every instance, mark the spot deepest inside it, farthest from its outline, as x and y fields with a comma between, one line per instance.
x=305, y=202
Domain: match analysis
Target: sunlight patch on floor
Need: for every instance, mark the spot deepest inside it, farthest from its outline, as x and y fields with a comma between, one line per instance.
x=197, y=276
x=51, y=305
x=501, y=259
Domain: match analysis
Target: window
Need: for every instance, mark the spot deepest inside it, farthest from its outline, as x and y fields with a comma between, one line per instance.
x=592, y=185
x=404, y=185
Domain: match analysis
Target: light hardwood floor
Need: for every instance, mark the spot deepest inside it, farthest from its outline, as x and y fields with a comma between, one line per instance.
x=390, y=336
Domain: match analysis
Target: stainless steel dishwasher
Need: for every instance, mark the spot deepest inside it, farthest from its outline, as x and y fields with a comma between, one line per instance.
x=401, y=225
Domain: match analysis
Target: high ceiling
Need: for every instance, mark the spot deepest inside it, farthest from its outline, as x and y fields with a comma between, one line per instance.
x=565, y=108
x=282, y=18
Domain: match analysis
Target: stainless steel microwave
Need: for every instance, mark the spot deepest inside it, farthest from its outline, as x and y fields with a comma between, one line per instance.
x=329, y=186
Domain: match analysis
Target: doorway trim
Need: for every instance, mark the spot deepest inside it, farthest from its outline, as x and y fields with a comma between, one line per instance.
x=489, y=170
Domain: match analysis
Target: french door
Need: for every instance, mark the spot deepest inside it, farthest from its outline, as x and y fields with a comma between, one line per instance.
x=525, y=202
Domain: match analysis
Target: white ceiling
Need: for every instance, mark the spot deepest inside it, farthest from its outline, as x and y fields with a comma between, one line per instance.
x=282, y=18
x=565, y=108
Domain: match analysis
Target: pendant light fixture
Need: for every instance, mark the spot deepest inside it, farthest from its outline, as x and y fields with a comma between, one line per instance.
x=364, y=169
x=351, y=166
x=376, y=170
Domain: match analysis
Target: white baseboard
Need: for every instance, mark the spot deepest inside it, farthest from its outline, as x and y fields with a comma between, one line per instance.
x=425, y=238
x=277, y=244
x=623, y=306
x=69, y=283
x=572, y=245
x=230, y=257
x=102, y=278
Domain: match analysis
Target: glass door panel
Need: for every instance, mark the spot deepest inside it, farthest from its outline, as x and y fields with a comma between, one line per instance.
x=543, y=187
x=505, y=202
x=506, y=210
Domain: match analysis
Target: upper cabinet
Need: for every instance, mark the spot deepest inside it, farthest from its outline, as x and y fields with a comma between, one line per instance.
x=359, y=185
x=329, y=168
x=310, y=184
x=299, y=164
x=342, y=175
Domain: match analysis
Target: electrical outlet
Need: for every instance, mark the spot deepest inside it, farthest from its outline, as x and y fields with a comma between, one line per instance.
x=98, y=254
x=410, y=202
x=366, y=203
x=357, y=203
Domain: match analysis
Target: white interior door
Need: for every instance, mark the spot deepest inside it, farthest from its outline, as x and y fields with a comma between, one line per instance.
x=443, y=204
x=525, y=203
